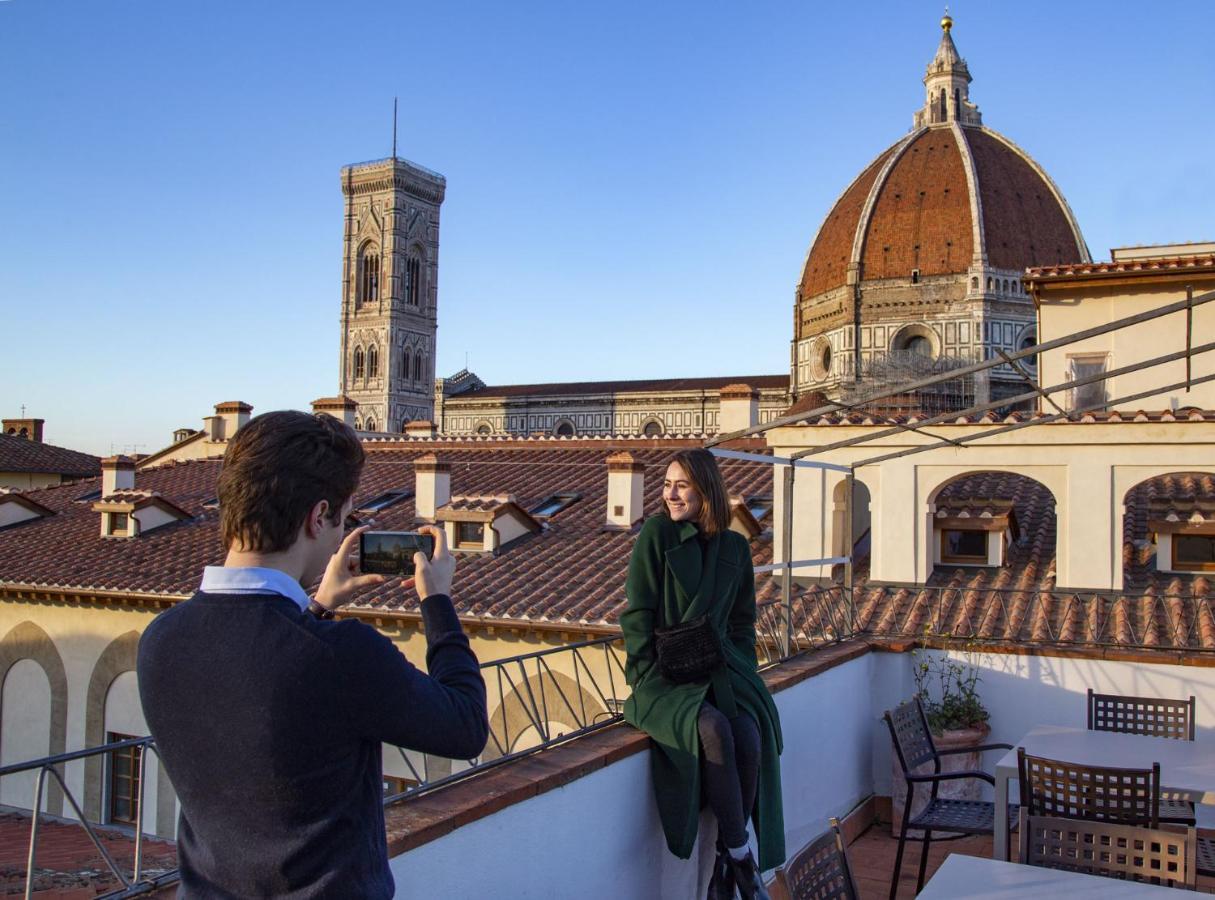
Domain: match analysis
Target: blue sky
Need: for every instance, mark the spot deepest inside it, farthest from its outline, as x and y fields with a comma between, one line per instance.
x=631, y=186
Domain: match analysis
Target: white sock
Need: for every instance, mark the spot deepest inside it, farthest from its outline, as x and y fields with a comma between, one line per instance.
x=739, y=852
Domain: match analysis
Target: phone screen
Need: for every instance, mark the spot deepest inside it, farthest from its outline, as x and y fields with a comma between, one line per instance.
x=391, y=552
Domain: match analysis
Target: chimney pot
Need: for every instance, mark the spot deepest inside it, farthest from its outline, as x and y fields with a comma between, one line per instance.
x=117, y=474
x=739, y=408
x=432, y=485
x=626, y=490
x=340, y=407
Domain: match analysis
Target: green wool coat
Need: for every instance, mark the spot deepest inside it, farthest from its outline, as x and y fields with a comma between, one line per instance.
x=672, y=580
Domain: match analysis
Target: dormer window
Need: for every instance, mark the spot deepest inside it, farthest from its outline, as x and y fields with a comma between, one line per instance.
x=759, y=506
x=470, y=535
x=967, y=548
x=553, y=504
x=119, y=524
x=385, y=500
x=1185, y=534
x=973, y=532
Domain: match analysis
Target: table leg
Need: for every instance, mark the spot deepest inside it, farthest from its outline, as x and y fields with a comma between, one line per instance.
x=999, y=843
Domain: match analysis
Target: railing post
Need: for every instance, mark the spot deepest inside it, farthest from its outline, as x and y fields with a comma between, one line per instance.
x=849, y=483
x=786, y=540
x=29, y=862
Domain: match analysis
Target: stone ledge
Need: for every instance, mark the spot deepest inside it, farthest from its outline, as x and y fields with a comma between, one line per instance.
x=411, y=823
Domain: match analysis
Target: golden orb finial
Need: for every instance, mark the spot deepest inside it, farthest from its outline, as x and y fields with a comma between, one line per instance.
x=946, y=21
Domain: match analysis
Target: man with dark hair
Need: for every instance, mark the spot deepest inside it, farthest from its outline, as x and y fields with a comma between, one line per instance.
x=268, y=714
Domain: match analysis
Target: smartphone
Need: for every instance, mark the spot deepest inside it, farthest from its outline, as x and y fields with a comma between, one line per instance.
x=391, y=552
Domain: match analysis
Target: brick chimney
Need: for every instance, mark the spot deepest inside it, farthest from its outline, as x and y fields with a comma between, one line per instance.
x=117, y=474
x=739, y=408
x=432, y=486
x=626, y=490
x=30, y=429
x=340, y=407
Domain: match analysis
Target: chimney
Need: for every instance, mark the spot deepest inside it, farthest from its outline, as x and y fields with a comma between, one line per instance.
x=117, y=474
x=739, y=408
x=431, y=484
x=340, y=407
x=420, y=429
x=30, y=429
x=235, y=416
x=626, y=490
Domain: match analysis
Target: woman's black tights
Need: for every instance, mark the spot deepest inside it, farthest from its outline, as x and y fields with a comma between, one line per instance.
x=729, y=763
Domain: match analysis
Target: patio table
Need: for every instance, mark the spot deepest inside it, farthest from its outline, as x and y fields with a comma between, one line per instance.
x=1185, y=766
x=973, y=877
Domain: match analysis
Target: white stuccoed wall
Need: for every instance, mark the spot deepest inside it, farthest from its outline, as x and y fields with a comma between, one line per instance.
x=600, y=836
x=1024, y=691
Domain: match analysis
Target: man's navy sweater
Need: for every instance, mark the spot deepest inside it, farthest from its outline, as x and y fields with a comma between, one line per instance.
x=270, y=723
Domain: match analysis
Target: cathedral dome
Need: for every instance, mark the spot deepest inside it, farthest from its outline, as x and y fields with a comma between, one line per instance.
x=952, y=197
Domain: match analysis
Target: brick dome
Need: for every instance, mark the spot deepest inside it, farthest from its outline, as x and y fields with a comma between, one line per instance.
x=947, y=199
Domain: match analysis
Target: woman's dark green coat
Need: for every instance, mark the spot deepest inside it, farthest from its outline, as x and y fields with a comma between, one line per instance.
x=673, y=579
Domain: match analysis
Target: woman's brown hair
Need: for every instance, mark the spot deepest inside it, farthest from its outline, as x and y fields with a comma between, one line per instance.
x=701, y=468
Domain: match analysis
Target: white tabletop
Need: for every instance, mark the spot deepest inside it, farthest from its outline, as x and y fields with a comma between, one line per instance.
x=971, y=877
x=1184, y=765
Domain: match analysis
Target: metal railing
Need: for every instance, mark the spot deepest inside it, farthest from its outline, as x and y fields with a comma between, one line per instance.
x=51, y=768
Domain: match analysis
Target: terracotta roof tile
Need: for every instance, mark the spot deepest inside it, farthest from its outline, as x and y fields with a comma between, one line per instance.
x=18, y=454
x=623, y=387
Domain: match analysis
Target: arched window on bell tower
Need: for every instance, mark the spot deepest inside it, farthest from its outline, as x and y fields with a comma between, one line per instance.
x=358, y=364
x=405, y=360
x=373, y=361
x=413, y=279
x=417, y=367
x=368, y=274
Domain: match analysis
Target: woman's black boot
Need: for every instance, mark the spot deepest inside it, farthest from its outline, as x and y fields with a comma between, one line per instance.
x=721, y=885
x=747, y=880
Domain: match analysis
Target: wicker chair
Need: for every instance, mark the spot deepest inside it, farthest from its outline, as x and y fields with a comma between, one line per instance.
x=913, y=744
x=820, y=870
x=1069, y=790
x=1151, y=716
x=1112, y=849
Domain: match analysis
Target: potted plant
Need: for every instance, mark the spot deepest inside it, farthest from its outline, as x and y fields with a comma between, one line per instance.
x=947, y=688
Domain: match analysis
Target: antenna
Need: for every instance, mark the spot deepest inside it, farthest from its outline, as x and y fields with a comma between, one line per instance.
x=394, y=127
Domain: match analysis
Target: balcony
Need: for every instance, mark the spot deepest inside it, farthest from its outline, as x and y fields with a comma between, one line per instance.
x=564, y=788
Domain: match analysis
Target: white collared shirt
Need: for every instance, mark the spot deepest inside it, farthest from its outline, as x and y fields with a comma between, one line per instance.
x=252, y=580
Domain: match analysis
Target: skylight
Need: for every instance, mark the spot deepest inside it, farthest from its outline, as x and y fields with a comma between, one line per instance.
x=553, y=504
x=91, y=495
x=759, y=506
x=213, y=503
x=385, y=500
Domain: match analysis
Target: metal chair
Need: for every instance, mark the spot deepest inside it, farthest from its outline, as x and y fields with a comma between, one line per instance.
x=1206, y=857
x=820, y=870
x=1152, y=716
x=914, y=746
x=1112, y=849
x=1051, y=787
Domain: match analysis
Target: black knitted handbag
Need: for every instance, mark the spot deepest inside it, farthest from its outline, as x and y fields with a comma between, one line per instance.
x=689, y=651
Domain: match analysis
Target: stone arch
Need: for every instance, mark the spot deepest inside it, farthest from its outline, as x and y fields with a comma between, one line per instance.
x=564, y=427
x=861, y=521
x=28, y=641
x=551, y=697
x=115, y=659
x=1139, y=567
x=653, y=427
x=483, y=426
x=906, y=337
x=1037, y=493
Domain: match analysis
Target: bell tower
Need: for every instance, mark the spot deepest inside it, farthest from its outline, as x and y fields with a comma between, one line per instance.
x=390, y=268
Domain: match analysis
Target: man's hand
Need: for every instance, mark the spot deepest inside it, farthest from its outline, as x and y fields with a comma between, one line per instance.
x=342, y=579
x=433, y=576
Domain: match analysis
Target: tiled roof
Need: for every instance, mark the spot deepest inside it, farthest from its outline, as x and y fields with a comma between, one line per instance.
x=17, y=454
x=654, y=385
x=1019, y=602
x=571, y=572
x=1188, y=414
x=1129, y=267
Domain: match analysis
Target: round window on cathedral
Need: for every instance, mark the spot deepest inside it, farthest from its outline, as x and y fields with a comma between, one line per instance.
x=482, y=429
x=565, y=429
x=1029, y=338
x=652, y=429
x=820, y=359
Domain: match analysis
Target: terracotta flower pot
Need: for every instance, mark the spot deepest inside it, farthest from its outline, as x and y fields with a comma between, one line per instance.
x=961, y=789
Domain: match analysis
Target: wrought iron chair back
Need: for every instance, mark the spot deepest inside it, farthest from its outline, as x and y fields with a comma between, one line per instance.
x=820, y=870
x=1141, y=715
x=911, y=735
x=1051, y=787
x=1112, y=849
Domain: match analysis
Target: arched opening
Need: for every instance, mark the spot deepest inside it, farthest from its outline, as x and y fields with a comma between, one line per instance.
x=652, y=428
x=413, y=278
x=373, y=361
x=992, y=530
x=917, y=341
x=565, y=428
x=858, y=542
x=484, y=427
x=368, y=274
x=370, y=424
x=25, y=729
x=554, y=703
x=359, y=368
x=1168, y=535
x=406, y=358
